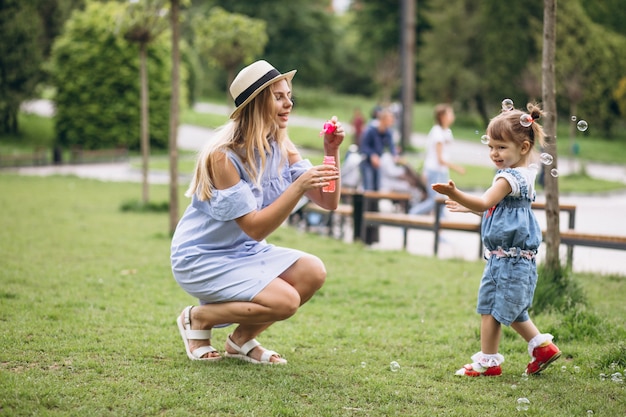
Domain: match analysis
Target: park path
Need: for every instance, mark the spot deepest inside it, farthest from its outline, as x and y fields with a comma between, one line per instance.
x=603, y=214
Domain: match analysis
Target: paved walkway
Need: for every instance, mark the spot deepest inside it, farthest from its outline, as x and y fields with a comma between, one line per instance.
x=595, y=214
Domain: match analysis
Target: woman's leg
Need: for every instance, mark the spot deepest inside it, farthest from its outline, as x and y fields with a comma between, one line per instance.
x=279, y=300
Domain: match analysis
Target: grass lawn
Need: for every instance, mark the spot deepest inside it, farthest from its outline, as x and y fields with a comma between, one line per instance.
x=88, y=308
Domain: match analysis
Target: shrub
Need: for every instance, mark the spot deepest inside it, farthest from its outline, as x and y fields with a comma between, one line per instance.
x=96, y=73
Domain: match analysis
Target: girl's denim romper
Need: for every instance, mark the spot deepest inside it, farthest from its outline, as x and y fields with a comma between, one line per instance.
x=510, y=229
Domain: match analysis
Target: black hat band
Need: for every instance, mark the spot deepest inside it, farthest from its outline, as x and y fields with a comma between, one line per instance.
x=271, y=74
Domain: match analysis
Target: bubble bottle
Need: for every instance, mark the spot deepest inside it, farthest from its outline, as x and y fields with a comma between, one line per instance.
x=330, y=188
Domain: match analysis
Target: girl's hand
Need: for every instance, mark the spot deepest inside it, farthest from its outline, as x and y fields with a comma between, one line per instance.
x=456, y=207
x=333, y=133
x=443, y=188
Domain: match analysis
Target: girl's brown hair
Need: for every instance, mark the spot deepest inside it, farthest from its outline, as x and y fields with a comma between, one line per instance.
x=440, y=110
x=507, y=126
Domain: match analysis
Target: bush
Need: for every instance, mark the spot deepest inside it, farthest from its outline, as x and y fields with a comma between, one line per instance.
x=96, y=73
x=556, y=291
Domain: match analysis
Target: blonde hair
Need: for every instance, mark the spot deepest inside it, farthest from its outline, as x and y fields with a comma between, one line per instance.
x=507, y=126
x=248, y=135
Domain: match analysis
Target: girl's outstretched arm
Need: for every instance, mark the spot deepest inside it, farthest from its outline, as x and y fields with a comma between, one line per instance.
x=500, y=189
x=455, y=207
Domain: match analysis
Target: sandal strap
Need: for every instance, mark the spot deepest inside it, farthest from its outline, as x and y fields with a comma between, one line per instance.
x=245, y=348
x=198, y=334
x=203, y=350
x=267, y=355
x=194, y=334
x=248, y=346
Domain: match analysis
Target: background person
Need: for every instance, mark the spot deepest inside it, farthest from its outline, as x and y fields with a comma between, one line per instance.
x=247, y=180
x=437, y=163
x=377, y=137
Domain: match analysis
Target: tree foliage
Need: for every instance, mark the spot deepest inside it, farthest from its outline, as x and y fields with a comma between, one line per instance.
x=476, y=56
x=229, y=40
x=96, y=74
x=20, y=58
x=301, y=34
x=588, y=63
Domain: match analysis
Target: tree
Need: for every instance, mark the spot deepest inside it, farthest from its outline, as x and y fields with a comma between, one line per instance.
x=448, y=57
x=229, y=40
x=143, y=22
x=553, y=237
x=175, y=6
x=301, y=35
x=20, y=58
x=588, y=56
x=95, y=72
x=620, y=96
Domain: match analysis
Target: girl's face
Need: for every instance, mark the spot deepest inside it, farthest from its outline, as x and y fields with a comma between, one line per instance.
x=508, y=154
x=282, y=102
x=447, y=118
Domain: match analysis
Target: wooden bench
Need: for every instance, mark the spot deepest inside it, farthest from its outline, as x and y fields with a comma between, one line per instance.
x=87, y=156
x=573, y=238
x=354, y=206
x=38, y=157
x=420, y=222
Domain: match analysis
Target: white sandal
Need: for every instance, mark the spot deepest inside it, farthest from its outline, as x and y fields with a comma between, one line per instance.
x=247, y=347
x=184, y=326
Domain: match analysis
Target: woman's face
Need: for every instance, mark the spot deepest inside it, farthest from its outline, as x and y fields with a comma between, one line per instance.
x=282, y=102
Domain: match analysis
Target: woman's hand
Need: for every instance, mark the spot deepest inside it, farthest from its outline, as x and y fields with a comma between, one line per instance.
x=318, y=176
x=333, y=137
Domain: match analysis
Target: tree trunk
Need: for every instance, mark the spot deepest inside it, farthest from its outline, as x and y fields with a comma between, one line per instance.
x=174, y=115
x=145, y=138
x=408, y=70
x=553, y=237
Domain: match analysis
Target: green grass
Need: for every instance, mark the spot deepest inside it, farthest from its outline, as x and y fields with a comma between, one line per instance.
x=88, y=308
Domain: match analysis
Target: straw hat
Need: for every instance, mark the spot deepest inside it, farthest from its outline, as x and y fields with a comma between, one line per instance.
x=251, y=80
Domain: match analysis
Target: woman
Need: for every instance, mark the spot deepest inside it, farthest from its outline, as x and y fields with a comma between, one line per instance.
x=247, y=180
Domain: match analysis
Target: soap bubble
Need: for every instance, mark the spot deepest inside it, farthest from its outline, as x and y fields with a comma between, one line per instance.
x=617, y=377
x=589, y=412
x=574, y=118
x=602, y=376
x=526, y=120
x=533, y=167
x=577, y=369
x=582, y=125
x=554, y=172
x=394, y=366
x=507, y=104
x=484, y=139
x=363, y=364
x=563, y=368
x=513, y=386
x=546, y=158
x=523, y=404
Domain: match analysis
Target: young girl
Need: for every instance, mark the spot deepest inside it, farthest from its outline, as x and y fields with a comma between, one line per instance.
x=511, y=236
x=247, y=180
x=437, y=164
